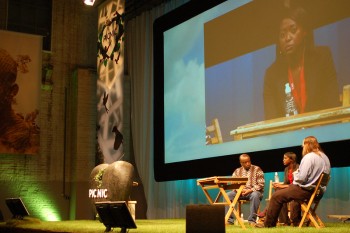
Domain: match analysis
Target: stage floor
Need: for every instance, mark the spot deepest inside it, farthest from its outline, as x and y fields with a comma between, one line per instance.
x=145, y=226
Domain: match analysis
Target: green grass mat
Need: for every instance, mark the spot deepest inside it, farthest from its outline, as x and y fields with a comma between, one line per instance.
x=150, y=226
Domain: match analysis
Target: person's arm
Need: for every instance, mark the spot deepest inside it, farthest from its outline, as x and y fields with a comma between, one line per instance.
x=330, y=82
x=280, y=186
x=286, y=182
x=260, y=180
x=300, y=175
x=236, y=173
x=286, y=171
x=269, y=99
x=274, y=84
x=321, y=78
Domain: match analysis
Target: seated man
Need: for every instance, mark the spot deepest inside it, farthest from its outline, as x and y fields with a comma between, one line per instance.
x=254, y=188
x=312, y=165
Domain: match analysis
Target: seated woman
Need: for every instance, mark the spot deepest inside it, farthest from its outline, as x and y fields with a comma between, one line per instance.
x=289, y=160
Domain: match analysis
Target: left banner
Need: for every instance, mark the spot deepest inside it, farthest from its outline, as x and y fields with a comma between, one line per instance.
x=20, y=79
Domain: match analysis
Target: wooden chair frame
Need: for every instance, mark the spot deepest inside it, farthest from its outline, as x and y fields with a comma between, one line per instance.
x=309, y=207
x=214, y=132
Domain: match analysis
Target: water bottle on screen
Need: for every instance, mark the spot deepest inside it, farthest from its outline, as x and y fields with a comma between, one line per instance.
x=277, y=179
x=290, y=106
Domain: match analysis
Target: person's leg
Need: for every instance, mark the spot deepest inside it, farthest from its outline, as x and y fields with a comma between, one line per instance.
x=254, y=198
x=276, y=201
x=283, y=217
x=295, y=213
x=293, y=192
x=231, y=195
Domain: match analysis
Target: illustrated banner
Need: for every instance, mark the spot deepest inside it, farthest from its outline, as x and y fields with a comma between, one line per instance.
x=110, y=71
x=20, y=79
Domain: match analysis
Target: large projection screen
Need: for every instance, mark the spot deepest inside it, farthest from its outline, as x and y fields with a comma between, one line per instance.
x=210, y=62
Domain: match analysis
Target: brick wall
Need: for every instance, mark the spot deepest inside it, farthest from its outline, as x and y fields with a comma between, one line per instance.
x=53, y=183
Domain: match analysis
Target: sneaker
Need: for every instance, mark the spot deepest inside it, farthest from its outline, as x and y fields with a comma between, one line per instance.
x=262, y=214
x=295, y=224
x=286, y=224
x=259, y=225
x=230, y=222
x=252, y=224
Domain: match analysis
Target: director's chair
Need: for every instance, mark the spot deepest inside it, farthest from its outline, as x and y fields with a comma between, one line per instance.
x=309, y=206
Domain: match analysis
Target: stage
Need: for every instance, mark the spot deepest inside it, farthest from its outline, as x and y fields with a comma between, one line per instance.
x=146, y=226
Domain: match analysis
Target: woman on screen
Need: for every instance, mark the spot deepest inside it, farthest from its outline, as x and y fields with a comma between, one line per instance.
x=306, y=69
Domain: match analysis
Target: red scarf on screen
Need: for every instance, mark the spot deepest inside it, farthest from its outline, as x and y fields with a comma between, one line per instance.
x=298, y=90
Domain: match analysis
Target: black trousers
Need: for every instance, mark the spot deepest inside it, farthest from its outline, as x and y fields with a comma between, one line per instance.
x=283, y=196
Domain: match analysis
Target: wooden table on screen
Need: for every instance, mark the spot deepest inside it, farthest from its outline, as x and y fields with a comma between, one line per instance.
x=221, y=184
x=296, y=122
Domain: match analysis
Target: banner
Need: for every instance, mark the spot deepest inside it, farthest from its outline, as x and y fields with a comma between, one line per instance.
x=20, y=77
x=110, y=70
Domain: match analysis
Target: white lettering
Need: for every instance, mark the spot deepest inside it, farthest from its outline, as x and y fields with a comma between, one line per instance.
x=98, y=193
x=105, y=193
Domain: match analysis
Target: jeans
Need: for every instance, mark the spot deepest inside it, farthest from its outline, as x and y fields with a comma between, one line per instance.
x=254, y=198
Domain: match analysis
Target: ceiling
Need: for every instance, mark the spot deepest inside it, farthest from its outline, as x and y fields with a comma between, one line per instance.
x=136, y=7
x=40, y=20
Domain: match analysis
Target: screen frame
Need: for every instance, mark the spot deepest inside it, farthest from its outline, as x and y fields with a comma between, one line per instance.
x=224, y=164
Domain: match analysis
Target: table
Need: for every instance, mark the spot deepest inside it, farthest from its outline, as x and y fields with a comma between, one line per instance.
x=296, y=122
x=221, y=184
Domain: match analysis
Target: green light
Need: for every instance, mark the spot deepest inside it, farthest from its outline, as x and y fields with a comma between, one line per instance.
x=41, y=204
x=48, y=214
x=44, y=209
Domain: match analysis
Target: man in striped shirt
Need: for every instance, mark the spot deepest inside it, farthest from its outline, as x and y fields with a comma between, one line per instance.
x=254, y=188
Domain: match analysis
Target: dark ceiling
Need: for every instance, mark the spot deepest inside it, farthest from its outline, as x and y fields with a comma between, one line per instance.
x=40, y=10
x=136, y=7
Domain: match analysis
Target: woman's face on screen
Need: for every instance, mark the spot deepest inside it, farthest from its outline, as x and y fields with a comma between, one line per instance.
x=291, y=36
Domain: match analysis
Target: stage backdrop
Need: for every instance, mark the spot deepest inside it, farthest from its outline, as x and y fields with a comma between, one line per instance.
x=110, y=68
x=20, y=75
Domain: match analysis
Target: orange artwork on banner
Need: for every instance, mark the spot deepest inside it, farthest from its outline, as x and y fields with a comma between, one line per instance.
x=20, y=74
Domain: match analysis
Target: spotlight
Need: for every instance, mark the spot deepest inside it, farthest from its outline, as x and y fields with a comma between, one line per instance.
x=17, y=207
x=89, y=2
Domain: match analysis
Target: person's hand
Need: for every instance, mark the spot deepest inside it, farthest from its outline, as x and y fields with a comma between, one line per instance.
x=245, y=192
x=276, y=185
x=279, y=185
